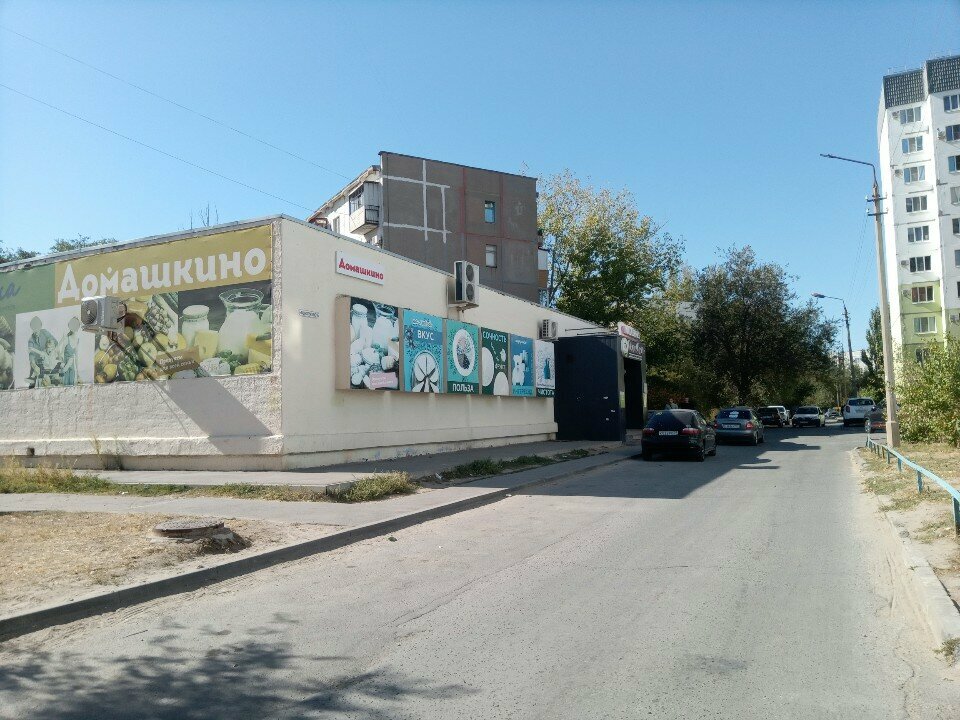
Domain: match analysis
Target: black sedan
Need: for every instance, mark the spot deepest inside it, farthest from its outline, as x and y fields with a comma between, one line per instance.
x=678, y=431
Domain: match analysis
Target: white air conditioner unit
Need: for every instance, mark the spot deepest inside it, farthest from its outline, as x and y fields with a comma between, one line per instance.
x=898, y=172
x=896, y=113
x=466, y=283
x=941, y=135
x=103, y=313
x=906, y=293
x=903, y=263
x=548, y=329
x=955, y=319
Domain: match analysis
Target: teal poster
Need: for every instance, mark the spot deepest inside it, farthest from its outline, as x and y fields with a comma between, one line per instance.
x=521, y=366
x=494, y=371
x=546, y=368
x=463, y=358
x=422, y=352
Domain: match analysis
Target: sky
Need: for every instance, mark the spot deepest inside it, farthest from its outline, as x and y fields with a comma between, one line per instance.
x=712, y=114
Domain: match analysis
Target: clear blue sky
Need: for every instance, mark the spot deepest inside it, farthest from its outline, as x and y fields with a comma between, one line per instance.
x=712, y=114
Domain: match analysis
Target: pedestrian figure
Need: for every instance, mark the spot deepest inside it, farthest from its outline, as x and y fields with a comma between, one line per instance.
x=671, y=405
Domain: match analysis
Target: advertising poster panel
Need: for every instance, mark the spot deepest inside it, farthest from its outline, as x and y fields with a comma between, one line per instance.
x=195, y=307
x=374, y=345
x=494, y=346
x=521, y=368
x=463, y=358
x=422, y=352
x=545, y=368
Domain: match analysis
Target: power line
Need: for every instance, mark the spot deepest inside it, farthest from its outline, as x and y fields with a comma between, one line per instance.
x=175, y=103
x=155, y=149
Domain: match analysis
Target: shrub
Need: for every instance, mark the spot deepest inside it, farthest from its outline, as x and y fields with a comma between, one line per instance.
x=929, y=395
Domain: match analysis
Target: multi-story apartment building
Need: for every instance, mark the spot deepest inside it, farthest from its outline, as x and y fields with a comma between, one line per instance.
x=919, y=135
x=437, y=213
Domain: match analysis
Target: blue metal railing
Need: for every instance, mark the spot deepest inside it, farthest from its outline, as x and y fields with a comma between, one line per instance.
x=881, y=450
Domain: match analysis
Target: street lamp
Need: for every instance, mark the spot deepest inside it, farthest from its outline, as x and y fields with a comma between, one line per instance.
x=846, y=319
x=893, y=427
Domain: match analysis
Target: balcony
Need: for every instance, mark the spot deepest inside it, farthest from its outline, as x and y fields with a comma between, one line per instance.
x=363, y=219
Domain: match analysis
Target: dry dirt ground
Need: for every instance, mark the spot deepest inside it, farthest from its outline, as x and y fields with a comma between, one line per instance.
x=928, y=517
x=48, y=557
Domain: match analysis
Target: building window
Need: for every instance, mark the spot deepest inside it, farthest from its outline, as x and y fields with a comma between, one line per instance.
x=356, y=199
x=920, y=233
x=489, y=211
x=335, y=225
x=953, y=133
x=916, y=203
x=925, y=324
x=491, y=256
x=956, y=258
x=958, y=288
x=955, y=195
x=921, y=294
x=912, y=144
x=951, y=103
x=914, y=174
x=956, y=226
x=920, y=263
x=953, y=163
x=910, y=115
x=922, y=354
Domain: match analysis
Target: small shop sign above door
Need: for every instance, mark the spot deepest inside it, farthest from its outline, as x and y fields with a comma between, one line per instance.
x=359, y=268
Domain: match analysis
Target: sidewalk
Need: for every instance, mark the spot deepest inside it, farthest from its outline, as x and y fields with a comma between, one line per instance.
x=316, y=513
x=418, y=466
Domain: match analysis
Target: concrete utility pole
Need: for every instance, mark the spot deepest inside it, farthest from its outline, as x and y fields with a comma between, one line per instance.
x=893, y=426
x=846, y=319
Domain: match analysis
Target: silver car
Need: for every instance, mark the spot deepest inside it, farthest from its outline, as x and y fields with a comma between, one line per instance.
x=738, y=423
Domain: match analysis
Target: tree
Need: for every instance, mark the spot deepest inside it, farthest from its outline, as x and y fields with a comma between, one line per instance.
x=872, y=383
x=605, y=258
x=754, y=340
x=80, y=242
x=15, y=254
x=929, y=395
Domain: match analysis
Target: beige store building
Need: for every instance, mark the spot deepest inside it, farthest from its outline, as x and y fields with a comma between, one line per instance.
x=269, y=344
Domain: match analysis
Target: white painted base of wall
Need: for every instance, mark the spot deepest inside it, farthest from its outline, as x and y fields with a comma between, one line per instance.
x=60, y=453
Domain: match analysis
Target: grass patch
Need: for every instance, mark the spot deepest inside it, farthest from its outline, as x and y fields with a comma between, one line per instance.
x=949, y=648
x=14, y=478
x=481, y=468
x=900, y=487
x=374, y=487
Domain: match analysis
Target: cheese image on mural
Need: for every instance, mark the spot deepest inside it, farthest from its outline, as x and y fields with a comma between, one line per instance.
x=493, y=362
x=463, y=358
x=422, y=352
x=374, y=345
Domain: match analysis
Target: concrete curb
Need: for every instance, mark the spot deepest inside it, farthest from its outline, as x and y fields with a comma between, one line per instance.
x=936, y=605
x=60, y=614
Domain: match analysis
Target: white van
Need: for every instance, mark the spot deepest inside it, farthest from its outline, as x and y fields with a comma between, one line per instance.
x=857, y=410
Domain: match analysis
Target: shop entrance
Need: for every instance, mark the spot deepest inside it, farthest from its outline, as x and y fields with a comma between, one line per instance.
x=635, y=392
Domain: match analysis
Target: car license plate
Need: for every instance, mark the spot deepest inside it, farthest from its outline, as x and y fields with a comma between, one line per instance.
x=731, y=427
x=668, y=432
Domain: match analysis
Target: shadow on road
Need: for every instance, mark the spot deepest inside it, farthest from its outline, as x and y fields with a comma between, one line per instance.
x=257, y=677
x=675, y=478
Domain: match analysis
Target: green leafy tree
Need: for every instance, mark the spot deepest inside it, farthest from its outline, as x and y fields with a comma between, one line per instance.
x=15, y=254
x=872, y=383
x=80, y=242
x=752, y=337
x=929, y=395
x=605, y=259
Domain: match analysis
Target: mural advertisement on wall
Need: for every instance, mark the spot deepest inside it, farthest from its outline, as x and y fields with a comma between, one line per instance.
x=494, y=346
x=195, y=307
x=521, y=367
x=463, y=358
x=545, y=368
x=422, y=352
x=374, y=345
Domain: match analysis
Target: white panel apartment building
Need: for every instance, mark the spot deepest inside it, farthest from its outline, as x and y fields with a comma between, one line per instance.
x=919, y=136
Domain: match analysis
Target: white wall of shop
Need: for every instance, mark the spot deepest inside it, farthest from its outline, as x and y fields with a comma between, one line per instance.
x=321, y=424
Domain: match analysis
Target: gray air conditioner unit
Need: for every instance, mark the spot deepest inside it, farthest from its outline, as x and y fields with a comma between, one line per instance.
x=548, y=330
x=906, y=293
x=955, y=319
x=467, y=283
x=941, y=135
x=103, y=313
x=903, y=263
x=898, y=172
x=896, y=113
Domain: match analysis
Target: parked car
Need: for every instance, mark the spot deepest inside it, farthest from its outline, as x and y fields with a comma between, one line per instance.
x=832, y=414
x=678, y=431
x=774, y=415
x=876, y=421
x=857, y=410
x=809, y=416
x=739, y=423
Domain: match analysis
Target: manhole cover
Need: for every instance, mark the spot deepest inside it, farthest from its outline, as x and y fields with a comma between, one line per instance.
x=185, y=527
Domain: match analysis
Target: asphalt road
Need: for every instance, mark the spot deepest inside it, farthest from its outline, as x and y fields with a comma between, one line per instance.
x=753, y=585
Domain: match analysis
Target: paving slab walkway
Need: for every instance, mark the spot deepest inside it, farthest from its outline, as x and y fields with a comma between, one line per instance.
x=418, y=466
